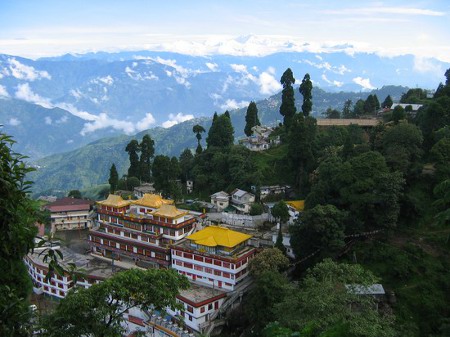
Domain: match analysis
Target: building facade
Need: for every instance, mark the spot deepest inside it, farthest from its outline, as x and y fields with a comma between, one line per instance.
x=141, y=230
x=215, y=256
x=70, y=213
x=242, y=200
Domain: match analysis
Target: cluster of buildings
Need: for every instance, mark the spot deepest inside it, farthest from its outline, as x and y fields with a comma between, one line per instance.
x=261, y=139
x=151, y=232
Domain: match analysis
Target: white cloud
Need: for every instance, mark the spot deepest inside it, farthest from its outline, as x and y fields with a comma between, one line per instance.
x=76, y=93
x=103, y=121
x=3, y=91
x=269, y=85
x=335, y=83
x=13, y=122
x=145, y=122
x=212, y=66
x=175, y=119
x=48, y=120
x=385, y=10
x=232, y=104
x=24, y=72
x=239, y=68
x=69, y=141
x=140, y=77
x=62, y=120
x=364, y=82
x=108, y=80
x=25, y=93
x=423, y=65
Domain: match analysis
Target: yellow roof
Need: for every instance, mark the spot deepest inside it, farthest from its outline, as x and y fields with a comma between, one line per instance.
x=152, y=200
x=114, y=201
x=169, y=211
x=218, y=236
x=299, y=205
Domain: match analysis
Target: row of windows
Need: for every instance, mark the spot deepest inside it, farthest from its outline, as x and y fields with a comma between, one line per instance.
x=131, y=249
x=212, y=261
x=199, y=277
x=202, y=269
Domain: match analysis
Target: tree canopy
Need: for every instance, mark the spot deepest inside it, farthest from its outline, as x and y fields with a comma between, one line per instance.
x=251, y=119
x=287, y=108
x=221, y=132
x=306, y=90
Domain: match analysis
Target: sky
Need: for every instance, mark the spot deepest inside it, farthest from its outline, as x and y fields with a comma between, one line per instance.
x=245, y=27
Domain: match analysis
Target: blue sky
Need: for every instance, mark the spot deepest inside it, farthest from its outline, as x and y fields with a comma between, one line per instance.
x=50, y=27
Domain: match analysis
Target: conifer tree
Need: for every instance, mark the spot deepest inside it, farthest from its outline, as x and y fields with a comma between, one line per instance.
x=287, y=108
x=221, y=132
x=147, y=148
x=387, y=103
x=198, y=129
x=306, y=91
x=133, y=149
x=113, y=178
x=251, y=119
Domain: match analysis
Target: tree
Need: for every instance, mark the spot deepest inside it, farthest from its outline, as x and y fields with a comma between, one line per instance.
x=198, y=129
x=251, y=119
x=98, y=311
x=186, y=161
x=17, y=217
x=280, y=211
x=221, y=132
x=358, y=109
x=269, y=260
x=287, y=108
x=414, y=96
x=256, y=209
x=387, y=103
x=327, y=300
x=306, y=90
x=320, y=228
x=74, y=194
x=113, y=178
x=370, y=105
x=162, y=174
x=147, y=148
x=398, y=114
x=133, y=149
x=279, y=242
x=347, y=109
x=332, y=113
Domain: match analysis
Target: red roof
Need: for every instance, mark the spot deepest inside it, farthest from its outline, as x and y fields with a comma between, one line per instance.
x=69, y=204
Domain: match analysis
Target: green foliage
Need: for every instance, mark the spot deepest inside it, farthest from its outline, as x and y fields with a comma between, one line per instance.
x=221, y=132
x=198, y=129
x=280, y=211
x=132, y=149
x=433, y=117
x=98, y=310
x=322, y=304
x=332, y=114
x=17, y=217
x=269, y=260
x=398, y=114
x=113, y=178
x=347, y=111
x=320, y=228
x=306, y=90
x=251, y=119
x=165, y=171
x=440, y=154
x=387, y=103
x=287, y=107
x=414, y=96
x=74, y=194
x=256, y=209
x=147, y=148
x=186, y=162
x=359, y=108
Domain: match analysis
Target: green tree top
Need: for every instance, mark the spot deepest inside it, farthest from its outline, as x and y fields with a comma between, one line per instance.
x=287, y=108
x=251, y=119
x=133, y=148
x=113, y=178
x=306, y=90
x=221, y=132
x=147, y=147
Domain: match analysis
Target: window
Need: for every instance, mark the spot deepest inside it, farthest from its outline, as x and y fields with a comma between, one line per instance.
x=208, y=270
x=226, y=265
x=208, y=260
x=217, y=262
x=199, y=268
x=227, y=275
x=210, y=306
x=188, y=256
x=217, y=272
x=202, y=310
x=188, y=265
x=178, y=253
x=190, y=309
x=198, y=258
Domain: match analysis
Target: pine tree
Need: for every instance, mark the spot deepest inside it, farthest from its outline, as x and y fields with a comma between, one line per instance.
x=287, y=108
x=306, y=91
x=221, y=132
x=113, y=178
x=198, y=129
x=133, y=149
x=387, y=103
x=147, y=148
x=251, y=119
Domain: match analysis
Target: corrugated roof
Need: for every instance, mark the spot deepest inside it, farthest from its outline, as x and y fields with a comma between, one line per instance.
x=169, y=211
x=152, y=200
x=114, y=201
x=299, y=205
x=218, y=236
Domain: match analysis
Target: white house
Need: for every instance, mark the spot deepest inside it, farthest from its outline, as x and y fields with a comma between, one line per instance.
x=220, y=200
x=242, y=200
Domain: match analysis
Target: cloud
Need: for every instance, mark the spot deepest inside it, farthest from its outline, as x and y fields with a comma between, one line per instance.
x=212, y=66
x=103, y=121
x=175, y=119
x=335, y=83
x=268, y=84
x=145, y=122
x=3, y=91
x=62, y=120
x=108, y=80
x=423, y=65
x=364, y=82
x=239, y=68
x=384, y=10
x=138, y=76
x=24, y=72
x=74, y=111
x=25, y=93
x=48, y=120
x=232, y=104
x=13, y=122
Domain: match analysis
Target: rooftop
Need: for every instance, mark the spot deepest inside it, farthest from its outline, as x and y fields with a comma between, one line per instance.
x=152, y=201
x=169, y=211
x=71, y=204
x=298, y=205
x=213, y=236
x=114, y=201
x=197, y=294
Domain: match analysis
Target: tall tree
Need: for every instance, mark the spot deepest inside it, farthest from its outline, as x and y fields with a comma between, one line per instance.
x=162, y=174
x=251, y=119
x=306, y=90
x=147, y=148
x=133, y=149
x=347, y=109
x=221, y=132
x=287, y=108
x=280, y=211
x=113, y=178
x=98, y=311
x=186, y=161
x=17, y=217
x=387, y=103
x=74, y=194
x=198, y=129
x=269, y=260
